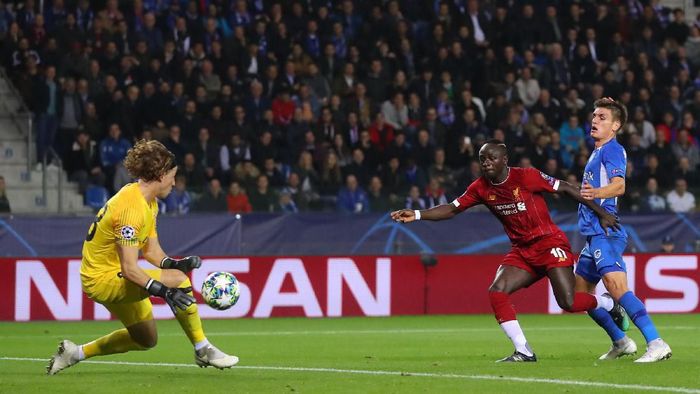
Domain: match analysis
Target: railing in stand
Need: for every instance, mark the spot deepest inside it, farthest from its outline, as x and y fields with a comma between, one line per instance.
x=56, y=160
x=15, y=114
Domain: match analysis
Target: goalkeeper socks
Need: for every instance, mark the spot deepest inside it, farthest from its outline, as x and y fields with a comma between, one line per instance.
x=603, y=318
x=638, y=313
x=201, y=344
x=189, y=319
x=116, y=342
x=516, y=335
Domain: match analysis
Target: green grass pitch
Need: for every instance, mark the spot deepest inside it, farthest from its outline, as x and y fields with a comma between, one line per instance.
x=368, y=355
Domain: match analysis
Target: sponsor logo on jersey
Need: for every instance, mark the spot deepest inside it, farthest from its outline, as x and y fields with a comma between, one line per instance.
x=509, y=209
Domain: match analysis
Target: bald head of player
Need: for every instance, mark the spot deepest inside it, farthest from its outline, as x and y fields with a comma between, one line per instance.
x=493, y=157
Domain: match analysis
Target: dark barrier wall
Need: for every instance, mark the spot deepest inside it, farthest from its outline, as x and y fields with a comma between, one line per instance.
x=328, y=234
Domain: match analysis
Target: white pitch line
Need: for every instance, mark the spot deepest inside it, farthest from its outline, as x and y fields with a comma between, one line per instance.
x=348, y=332
x=561, y=382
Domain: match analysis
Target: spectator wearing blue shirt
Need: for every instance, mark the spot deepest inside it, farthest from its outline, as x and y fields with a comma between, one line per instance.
x=25, y=15
x=445, y=109
x=351, y=198
x=156, y=5
x=351, y=21
x=84, y=15
x=239, y=15
x=339, y=40
x=151, y=34
x=571, y=134
x=55, y=16
x=179, y=200
x=45, y=105
x=286, y=204
x=652, y=200
x=556, y=150
x=6, y=18
x=113, y=151
x=312, y=43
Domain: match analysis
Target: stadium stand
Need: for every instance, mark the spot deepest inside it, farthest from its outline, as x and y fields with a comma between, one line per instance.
x=295, y=100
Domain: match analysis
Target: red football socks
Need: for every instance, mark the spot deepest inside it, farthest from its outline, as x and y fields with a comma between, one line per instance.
x=583, y=302
x=502, y=307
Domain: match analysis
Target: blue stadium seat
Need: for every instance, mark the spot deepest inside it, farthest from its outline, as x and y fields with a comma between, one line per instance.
x=96, y=196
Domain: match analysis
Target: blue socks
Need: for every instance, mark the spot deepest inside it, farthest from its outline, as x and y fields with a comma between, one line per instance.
x=638, y=313
x=602, y=317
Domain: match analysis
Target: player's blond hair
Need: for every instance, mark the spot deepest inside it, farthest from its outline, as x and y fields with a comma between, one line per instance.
x=617, y=109
x=149, y=160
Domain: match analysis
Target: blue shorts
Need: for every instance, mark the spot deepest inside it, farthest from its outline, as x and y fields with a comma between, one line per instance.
x=602, y=254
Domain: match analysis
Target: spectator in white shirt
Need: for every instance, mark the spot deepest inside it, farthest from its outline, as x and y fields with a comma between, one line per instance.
x=396, y=112
x=679, y=200
x=528, y=87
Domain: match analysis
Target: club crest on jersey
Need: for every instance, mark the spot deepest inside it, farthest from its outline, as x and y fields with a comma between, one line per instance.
x=597, y=254
x=127, y=233
x=492, y=197
x=516, y=193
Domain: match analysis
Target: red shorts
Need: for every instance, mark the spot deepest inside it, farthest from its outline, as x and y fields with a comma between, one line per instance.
x=541, y=255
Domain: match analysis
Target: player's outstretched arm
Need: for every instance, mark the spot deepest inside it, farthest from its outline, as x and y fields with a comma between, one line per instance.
x=440, y=212
x=606, y=219
x=615, y=188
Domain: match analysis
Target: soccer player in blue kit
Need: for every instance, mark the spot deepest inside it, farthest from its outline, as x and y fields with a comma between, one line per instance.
x=601, y=258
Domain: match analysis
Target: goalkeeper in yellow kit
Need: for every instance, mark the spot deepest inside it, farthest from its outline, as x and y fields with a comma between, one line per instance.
x=111, y=276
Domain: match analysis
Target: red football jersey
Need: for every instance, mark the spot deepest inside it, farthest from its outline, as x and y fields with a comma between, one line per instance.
x=517, y=202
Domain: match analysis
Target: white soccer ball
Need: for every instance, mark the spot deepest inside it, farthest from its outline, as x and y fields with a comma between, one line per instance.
x=220, y=290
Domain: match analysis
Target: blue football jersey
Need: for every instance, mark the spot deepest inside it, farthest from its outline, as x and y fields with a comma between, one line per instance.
x=605, y=163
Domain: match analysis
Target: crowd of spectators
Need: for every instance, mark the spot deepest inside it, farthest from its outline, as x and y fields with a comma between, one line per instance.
x=356, y=106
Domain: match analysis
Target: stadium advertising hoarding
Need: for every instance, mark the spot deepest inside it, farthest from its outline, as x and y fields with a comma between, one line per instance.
x=331, y=286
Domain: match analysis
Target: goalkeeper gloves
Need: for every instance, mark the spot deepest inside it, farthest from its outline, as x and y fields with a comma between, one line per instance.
x=173, y=296
x=185, y=265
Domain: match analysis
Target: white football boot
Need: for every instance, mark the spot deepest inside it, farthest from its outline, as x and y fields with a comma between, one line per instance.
x=211, y=356
x=657, y=350
x=623, y=347
x=66, y=356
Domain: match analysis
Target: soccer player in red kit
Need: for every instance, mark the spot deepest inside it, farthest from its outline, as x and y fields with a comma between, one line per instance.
x=539, y=247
